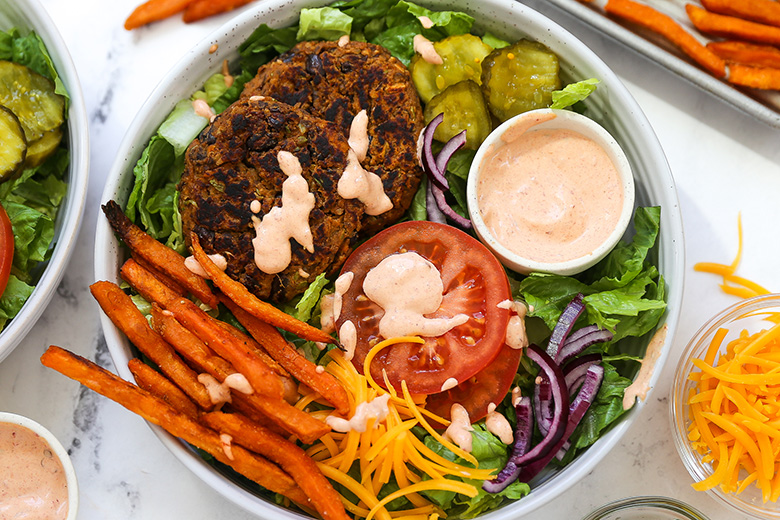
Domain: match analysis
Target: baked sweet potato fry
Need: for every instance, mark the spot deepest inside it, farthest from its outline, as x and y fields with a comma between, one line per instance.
x=732, y=27
x=253, y=305
x=254, y=346
x=162, y=277
x=261, y=409
x=158, y=385
x=200, y=9
x=262, y=378
x=164, y=258
x=761, y=11
x=153, y=11
x=301, y=368
x=147, y=285
x=665, y=26
x=290, y=457
x=125, y=315
x=754, y=77
x=750, y=54
x=160, y=413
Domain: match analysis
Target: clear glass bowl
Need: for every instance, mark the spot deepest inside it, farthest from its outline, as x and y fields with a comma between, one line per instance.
x=646, y=508
x=746, y=315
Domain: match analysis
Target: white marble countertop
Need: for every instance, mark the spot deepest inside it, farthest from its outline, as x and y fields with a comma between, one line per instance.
x=724, y=162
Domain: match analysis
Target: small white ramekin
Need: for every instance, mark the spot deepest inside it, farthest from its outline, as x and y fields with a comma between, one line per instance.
x=59, y=451
x=564, y=119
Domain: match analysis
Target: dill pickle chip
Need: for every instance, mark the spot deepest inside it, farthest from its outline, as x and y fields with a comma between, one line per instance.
x=519, y=78
x=13, y=144
x=32, y=98
x=464, y=108
x=461, y=60
x=40, y=149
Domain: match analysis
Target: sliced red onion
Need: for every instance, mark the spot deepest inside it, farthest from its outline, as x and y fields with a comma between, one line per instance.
x=445, y=208
x=523, y=432
x=544, y=407
x=577, y=411
x=561, y=400
x=435, y=174
x=577, y=334
x=565, y=323
x=449, y=149
x=574, y=347
x=434, y=213
x=574, y=371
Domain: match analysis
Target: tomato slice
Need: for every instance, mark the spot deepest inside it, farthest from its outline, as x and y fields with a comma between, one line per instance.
x=474, y=284
x=6, y=248
x=490, y=385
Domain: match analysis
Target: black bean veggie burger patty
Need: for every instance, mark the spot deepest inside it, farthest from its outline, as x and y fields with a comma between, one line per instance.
x=335, y=82
x=234, y=162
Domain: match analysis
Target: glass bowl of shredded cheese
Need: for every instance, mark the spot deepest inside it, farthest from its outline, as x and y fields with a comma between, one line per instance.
x=726, y=407
x=641, y=508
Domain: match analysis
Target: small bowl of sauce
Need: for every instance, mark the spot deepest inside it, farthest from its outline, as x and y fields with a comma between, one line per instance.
x=38, y=480
x=550, y=191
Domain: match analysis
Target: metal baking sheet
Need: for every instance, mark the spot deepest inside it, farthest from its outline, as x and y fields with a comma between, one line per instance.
x=763, y=105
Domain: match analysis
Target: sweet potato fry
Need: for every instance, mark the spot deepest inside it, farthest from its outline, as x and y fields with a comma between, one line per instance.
x=754, y=77
x=732, y=27
x=147, y=285
x=200, y=9
x=164, y=258
x=301, y=368
x=662, y=24
x=125, y=315
x=153, y=11
x=287, y=455
x=260, y=409
x=251, y=343
x=242, y=357
x=750, y=54
x=254, y=306
x=166, y=280
x=158, y=385
x=761, y=11
x=160, y=413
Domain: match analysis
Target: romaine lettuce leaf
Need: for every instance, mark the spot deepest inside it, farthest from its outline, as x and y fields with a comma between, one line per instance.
x=573, y=93
x=310, y=298
x=33, y=233
x=13, y=298
x=323, y=23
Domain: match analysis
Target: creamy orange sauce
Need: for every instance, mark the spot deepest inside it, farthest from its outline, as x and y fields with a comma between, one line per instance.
x=448, y=384
x=516, y=395
x=238, y=381
x=226, y=74
x=203, y=109
x=459, y=430
x=327, y=320
x=426, y=22
x=376, y=411
x=516, y=336
x=273, y=251
x=356, y=182
x=227, y=445
x=218, y=393
x=213, y=48
x=32, y=479
x=192, y=264
x=343, y=40
x=499, y=426
x=549, y=195
x=641, y=384
x=424, y=47
x=348, y=339
x=407, y=287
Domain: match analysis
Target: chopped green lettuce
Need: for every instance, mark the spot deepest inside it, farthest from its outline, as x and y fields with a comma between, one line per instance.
x=324, y=23
x=310, y=298
x=573, y=93
x=13, y=298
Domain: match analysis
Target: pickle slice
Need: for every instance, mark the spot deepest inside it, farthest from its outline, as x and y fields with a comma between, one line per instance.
x=40, y=149
x=519, y=78
x=464, y=108
x=32, y=98
x=461, y=60
x=13, y=144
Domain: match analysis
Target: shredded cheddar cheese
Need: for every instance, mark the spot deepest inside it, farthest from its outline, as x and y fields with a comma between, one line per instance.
x=734, y=407
x=733, y=284
x=387, y=450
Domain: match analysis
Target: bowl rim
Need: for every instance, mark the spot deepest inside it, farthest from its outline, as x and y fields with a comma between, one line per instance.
x=59, y=450
x=69, y=215
x=678, y=408
x=546, y=30
x=563, y=119
x=671, y=504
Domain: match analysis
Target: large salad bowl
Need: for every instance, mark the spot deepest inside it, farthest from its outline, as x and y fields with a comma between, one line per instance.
x=611, y=105
x=29, y=15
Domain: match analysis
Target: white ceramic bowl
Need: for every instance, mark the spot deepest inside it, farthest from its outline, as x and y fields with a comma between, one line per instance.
x=30, y=15
x=566, y=120
x=59, y=451
x=612, y=105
